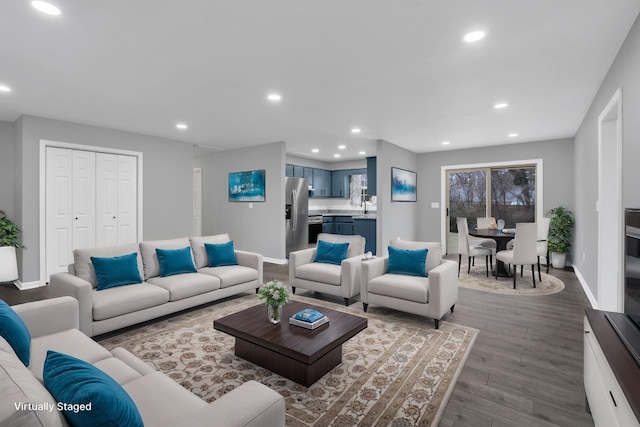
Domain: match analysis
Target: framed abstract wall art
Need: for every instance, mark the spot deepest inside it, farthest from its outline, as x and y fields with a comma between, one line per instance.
x=403, y=185
x=247, y=186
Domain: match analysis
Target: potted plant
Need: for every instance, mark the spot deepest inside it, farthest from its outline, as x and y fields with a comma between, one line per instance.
x=559, y=239
x=274, y=294
x=9, y=241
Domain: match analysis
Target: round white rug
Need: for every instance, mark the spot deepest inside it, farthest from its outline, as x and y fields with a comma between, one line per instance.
x=504, y=285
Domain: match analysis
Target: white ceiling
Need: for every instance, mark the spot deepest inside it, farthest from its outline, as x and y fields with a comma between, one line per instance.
x=399, y=69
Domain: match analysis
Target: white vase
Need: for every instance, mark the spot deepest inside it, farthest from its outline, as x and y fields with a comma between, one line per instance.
x=8, y=264
x=558, y=260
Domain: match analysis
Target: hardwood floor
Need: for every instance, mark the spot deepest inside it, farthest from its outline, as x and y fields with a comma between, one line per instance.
x=525, y=368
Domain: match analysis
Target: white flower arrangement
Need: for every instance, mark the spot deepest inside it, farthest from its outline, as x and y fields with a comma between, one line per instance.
x=274, y=293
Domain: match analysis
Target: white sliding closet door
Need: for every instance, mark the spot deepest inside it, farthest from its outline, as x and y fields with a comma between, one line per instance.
x=106, y=199
x=84, y=199
x=59, y=209
x=127, y=212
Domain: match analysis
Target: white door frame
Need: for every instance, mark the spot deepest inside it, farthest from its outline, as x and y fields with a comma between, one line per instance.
x=197, y=201
x=610, y=295
x=444, y=170
x=42, y=191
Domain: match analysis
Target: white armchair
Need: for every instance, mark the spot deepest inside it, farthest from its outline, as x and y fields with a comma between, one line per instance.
x=340, y=280
x=430, y=296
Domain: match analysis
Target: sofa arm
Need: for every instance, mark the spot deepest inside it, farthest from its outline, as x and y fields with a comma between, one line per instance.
x=49, y=316
x=350, y=276
x=298, y=258
x=251, y=260
x=65, y=284
x=250, y=405
x=443, y=287
x=370, y=270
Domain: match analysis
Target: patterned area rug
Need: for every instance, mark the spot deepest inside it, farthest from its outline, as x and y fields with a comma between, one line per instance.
x=478, y=280
x=399, y=371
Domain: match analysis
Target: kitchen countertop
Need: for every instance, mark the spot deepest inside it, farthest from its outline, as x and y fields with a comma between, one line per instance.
x=354, y=214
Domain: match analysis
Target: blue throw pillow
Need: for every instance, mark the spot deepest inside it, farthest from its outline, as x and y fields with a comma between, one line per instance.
x=13, y=329
x=331, y=253
x=221, y=254
x=116, y=271
x=90, y=397
x=175, y=261
x=407, y=261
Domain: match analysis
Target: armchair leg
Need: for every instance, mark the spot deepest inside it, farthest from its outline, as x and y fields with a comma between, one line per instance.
x=459, y=262
x=491, y=262
x=293, y=289
x=437, y=323
x=346, y=302
x=365, y=306
x=533, y=274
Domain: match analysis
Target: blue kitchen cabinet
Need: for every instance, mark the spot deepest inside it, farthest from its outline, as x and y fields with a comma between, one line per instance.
x=340, y=184
x=288, y=170
x=321, y=183
x=366, y=227
x=298, y=171
x=372, y=187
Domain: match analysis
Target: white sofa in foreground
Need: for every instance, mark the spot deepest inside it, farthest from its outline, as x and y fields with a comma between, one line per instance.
x=53, y=325
x=106, y=310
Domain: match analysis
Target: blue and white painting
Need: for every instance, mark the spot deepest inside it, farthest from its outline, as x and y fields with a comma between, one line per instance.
x=403, y=185
x=248, y=186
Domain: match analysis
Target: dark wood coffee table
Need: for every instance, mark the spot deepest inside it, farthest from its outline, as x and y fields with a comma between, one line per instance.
x=300, y=354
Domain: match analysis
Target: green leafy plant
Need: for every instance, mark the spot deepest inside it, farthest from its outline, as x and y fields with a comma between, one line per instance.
x=9, y=232
x=560, y=229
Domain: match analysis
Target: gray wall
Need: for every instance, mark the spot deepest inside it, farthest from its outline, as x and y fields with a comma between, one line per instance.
x=557, y=164
x=623, y=74
x=7, y=152
x=394, y=219
x=260, y=228
x=167, y=180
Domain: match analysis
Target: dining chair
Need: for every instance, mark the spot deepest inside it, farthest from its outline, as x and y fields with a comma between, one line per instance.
x=485, y=222
x=542, y=244
x=472, y=248
x=524, y=252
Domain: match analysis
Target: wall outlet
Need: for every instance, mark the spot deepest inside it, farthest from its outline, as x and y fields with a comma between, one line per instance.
x=435, y=205
x=250, y=205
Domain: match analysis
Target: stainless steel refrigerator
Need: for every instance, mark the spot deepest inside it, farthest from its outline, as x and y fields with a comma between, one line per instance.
x=296, y=213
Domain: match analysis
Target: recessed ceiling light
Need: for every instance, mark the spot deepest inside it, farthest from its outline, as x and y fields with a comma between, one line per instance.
x=362, y=153
x=446, y=142
x=45, y=7
x=336, y=155
x=181, y=125
x=474, y=36
x=513, y=135
x=355, y=130
x=342, y=147
x=4, y=88
x=501, y=105
x=274, y=97
x=315, y=150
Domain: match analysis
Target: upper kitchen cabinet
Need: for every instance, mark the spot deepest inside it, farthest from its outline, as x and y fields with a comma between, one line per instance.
x=298, y=171
x=340, y=184
x=288, y=170
x=321, y=183
x=371, y=176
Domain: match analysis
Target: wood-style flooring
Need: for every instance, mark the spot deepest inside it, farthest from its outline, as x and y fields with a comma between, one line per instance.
x=525, y=368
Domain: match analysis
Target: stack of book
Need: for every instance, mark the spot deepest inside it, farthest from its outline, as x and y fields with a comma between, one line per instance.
x=308, y=318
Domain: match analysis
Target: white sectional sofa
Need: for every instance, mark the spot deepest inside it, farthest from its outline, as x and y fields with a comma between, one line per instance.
x=110, y=309
x=53, y=325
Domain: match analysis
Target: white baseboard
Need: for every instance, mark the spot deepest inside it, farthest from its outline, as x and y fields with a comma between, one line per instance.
x=28, y=285
x=585, y=287
x=275, y=260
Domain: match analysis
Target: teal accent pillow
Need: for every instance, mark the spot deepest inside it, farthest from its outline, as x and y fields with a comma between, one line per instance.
x=13, y=329
x=175, y=261
x=407, y=261
x=331, y=253
x=221, y=254
x=88, y=396
x=116, y=271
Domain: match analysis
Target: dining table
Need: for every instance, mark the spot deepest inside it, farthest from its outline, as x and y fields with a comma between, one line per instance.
x=501, y=238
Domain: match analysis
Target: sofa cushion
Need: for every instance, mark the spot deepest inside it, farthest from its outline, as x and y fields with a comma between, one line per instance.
x=126, y=299
x=331, y=253
x=82, y=259
x=162, y=402
x=221, y=254
x=175, y=261
x=116, y=271
x=186, y=285
x=356, y=243
x=72, y=342
x=199, y=251
x=409, y=288
x=18, y=385
x=434, y=254
x=15, y=332
x=150, y=258
x=6, y=347
x=117, y=369
x=75, y=382
x=320, y=272
x=407, y=261
x=231, y=275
